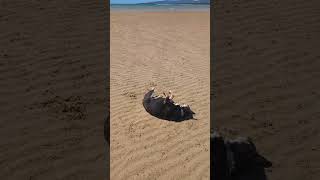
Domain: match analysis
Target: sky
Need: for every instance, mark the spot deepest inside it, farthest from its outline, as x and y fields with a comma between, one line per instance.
x=129, y=1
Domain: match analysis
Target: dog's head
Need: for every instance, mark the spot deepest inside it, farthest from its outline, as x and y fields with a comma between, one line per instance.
x=186, y=112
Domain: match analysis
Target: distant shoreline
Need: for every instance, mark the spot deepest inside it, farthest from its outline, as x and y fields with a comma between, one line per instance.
x=162, y=4
x=159, y=7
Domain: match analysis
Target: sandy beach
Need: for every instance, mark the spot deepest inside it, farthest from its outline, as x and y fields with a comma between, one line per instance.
x=53, y=92
x=170, y=51
x=53, y=89
x=266, y=81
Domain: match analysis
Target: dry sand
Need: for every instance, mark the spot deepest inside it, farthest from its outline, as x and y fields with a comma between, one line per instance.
x=266, y=81
x=168, y=51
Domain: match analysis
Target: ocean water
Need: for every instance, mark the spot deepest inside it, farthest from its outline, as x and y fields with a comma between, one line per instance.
x=158, y=7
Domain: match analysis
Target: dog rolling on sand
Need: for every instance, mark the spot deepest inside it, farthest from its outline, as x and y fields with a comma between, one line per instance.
x=165, y=107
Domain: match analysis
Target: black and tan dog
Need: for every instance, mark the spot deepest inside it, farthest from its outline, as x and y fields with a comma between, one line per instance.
x=165, y=107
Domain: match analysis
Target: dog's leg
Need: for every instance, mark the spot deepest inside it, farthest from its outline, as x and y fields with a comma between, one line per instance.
x=165, y=95
x=170, y=95
x=165, y=98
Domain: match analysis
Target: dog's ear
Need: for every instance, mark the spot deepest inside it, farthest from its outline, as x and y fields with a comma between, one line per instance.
x=191, y=110
x=262, y=161
x=187, y=107
x=259, y=160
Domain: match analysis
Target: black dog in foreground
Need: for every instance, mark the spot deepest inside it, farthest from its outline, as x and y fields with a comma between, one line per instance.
x=236, y=159
x=165, y=107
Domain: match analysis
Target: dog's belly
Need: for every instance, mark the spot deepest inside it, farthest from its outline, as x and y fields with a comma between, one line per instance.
x=153, y=106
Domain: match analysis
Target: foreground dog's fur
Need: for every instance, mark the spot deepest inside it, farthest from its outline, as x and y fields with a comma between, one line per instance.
x=236, y=159
x=165, y=107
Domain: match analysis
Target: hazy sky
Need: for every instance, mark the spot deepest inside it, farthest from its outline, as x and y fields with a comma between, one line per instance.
x=129, y=1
